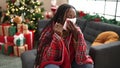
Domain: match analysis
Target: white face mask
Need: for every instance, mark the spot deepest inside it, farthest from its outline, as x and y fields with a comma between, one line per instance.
x=73, y=20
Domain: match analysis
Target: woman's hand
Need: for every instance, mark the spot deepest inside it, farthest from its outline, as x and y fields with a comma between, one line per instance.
x=73, y=29
x=58, y=29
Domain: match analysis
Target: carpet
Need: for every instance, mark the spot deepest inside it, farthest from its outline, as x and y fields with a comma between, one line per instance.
x=10, y=61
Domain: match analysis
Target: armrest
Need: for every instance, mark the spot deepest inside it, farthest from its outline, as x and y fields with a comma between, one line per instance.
x=28, y=58
x=106, y=55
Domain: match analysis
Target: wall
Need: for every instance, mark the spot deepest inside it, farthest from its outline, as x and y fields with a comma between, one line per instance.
x=3, y=4
x=47, y=3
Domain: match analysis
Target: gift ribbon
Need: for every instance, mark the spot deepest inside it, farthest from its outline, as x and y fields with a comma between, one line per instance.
x=20, y=29
x=25, y=47
x=3, y=29
x=6, y=29
x=25, y=27
x=1, y=43
x=5, y=37
x=6, y=48
x=31, y=39
x=17, y=50
x=3, y=25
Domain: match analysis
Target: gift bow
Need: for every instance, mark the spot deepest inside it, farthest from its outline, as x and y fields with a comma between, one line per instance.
x=19, y=37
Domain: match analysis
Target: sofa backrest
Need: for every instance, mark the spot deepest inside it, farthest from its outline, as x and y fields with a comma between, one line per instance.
x=42, y=24
x=92, y=29
x=81, y=23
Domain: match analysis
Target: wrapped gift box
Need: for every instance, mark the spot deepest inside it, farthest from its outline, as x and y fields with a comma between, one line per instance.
x=2, y=39
x=25, y=29
x=29, y=39
x=5, y=39
x=7, y=48
x=6, y=30
x=0, y=47
x=19, y=39
x=10, y=39
x=22, y=28
x=18, y=50
x=12, y=30
x=2, y=28
x=19, y=28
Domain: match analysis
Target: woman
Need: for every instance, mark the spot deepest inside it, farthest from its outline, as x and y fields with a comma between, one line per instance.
x=62, y=48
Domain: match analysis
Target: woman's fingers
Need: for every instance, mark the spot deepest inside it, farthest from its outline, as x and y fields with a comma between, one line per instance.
x=71, y=26
x=58, y=28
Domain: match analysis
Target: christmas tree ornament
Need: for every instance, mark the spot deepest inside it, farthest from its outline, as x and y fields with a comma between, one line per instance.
x=26, y=9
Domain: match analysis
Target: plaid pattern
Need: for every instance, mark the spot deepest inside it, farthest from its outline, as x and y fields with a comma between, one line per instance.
x=45, y=37
x=81, y=57
x=58, y=50
x=54, y=52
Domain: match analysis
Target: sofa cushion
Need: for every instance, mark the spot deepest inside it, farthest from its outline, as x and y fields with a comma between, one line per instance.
x=106, y=37
x=28, y=58
x=92, y=30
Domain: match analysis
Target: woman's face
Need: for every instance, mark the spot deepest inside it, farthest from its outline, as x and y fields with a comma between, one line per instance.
x=71, y=13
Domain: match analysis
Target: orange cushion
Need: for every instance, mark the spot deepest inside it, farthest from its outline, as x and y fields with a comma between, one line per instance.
x=106, y=37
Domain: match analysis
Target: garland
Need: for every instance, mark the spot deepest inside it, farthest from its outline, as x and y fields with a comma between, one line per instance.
x=97, y=18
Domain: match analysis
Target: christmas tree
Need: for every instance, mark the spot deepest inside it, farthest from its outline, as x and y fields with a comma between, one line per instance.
x=29, y=10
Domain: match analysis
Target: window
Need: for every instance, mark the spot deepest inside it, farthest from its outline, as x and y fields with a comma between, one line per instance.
x=107, y=8
x=118, y=12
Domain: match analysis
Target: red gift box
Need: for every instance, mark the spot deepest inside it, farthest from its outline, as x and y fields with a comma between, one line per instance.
x=2, y=40
x=10, y=39
x=5, y=39
x=29, y=39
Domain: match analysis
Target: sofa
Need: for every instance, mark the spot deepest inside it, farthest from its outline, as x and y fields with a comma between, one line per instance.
x=104, y=56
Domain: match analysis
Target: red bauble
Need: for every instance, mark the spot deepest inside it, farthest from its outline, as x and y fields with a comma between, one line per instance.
x=53, y=9
x=48, y=15
x=81, y=14
x=97, y=19
x=13, y=1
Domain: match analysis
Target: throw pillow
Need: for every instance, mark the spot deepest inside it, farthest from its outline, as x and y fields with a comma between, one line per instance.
x=106, y=37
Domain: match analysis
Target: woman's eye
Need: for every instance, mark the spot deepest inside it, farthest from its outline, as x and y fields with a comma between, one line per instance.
x=69, y=17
